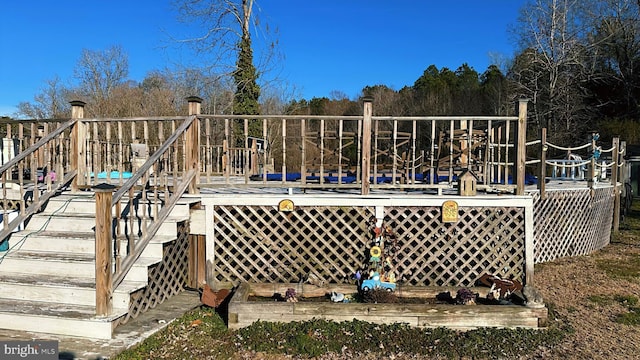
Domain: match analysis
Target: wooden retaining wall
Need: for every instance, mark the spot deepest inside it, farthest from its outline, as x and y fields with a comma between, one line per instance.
x=243, y=312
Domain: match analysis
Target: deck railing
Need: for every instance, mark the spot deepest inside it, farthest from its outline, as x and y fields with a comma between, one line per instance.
x=363, y=152
x=36, y=166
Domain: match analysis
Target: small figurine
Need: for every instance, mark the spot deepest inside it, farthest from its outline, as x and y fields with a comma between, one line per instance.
x=375, y=253
x=337, y=297
x=290, y=295
x=465, y=297
x=392, y=277
x=375, y=283
x=377, y=231
x=387, y=261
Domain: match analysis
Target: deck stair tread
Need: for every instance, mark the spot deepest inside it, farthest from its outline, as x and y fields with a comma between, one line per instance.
x=38, y=308
x=92, y=215
x=62, y=281
x=70, y=257
x=79, y=235
x=54, y=234
x=52, y=256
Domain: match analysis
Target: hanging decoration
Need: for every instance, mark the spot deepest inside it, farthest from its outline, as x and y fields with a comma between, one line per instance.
x=381, y=267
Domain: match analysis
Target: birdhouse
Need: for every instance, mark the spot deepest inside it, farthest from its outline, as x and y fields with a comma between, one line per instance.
x=467, y=182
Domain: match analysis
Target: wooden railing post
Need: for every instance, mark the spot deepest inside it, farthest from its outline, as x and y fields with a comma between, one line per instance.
x=521, y=146
x=366, y=145
x=104, y=283
x=591, y=181
x=542, y=176
x=77, y=112
x=193, y=143
x=615, y=157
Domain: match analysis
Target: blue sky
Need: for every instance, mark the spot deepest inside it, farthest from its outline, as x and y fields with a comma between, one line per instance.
x=328, y=45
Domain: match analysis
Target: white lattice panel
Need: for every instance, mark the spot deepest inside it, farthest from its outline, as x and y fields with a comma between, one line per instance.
x=572, y=222
x=261, y=244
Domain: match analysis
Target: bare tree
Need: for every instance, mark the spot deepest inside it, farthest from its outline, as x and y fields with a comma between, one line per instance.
x=616, y=54
x=99, y=73
x=226, y=30
x=50, y=103
x=552, y=72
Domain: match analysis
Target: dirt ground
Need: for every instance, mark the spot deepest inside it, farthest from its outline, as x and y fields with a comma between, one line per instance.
x=573, y=286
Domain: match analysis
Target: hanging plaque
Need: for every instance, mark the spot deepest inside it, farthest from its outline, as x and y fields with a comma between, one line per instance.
x=450, y=211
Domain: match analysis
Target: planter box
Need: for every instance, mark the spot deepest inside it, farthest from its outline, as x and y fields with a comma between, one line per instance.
x=243, y=312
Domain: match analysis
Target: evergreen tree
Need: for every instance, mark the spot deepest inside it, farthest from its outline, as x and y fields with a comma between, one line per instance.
x=245, y=77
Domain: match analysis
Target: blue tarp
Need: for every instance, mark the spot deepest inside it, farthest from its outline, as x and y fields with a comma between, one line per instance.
x=114, y=175
x=350, y=178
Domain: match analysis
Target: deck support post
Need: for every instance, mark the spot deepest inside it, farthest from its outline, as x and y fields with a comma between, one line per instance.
x=196, y=261
x=615, y=157
x=521, y=146
x=366, y=145
x=193, y=143
x=77, y=141
x=104, y=220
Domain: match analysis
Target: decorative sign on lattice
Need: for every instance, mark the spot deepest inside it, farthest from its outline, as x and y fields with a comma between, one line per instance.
x=256, y=243
x=572, y=222
x=450, y=211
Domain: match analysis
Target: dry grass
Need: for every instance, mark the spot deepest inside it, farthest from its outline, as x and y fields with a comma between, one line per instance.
x=595, y=295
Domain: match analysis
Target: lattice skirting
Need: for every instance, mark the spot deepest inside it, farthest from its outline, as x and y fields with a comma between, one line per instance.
x=166, y=278
x=572, y=222
x=260, y=244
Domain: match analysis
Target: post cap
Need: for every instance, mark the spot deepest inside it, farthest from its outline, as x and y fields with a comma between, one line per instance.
x=77, y=103
x=103, y=187
x=367, y=99
x=194, y=99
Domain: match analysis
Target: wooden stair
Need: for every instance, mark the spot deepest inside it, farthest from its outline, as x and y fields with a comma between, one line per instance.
x=47, y=278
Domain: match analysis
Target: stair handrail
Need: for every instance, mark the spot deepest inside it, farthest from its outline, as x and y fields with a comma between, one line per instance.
x=142, y=243
x=36, y=146
x=28, y=211
x=187, y=178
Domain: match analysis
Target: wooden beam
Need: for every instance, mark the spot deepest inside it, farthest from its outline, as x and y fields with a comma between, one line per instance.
x=529, y=247
x=543, y=164
x=193, y=143
x=366, y=146
x=615, y=156
x=104, y=285
x=196, y=262
x=77, y=112
x=521, y=155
